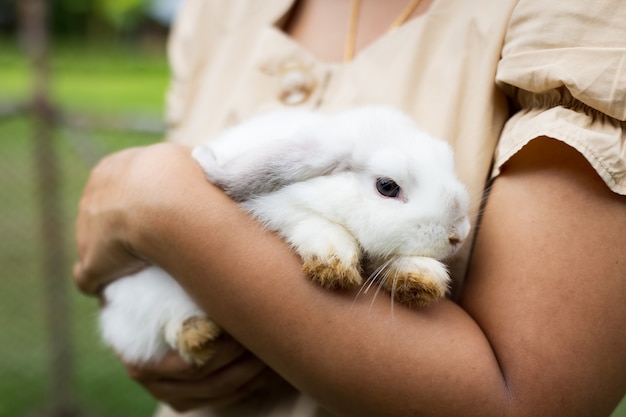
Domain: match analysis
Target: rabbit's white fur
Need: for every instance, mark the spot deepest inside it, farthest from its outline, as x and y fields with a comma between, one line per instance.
x=144, y=314
x=312, y=178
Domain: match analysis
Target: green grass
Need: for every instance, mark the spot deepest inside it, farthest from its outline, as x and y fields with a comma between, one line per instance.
x=126, y=83
x=92, y=78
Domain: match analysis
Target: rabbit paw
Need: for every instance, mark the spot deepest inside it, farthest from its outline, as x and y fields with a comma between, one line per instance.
x=195, y=341
x=417, y=281
x=331, y=273
x=330, y=254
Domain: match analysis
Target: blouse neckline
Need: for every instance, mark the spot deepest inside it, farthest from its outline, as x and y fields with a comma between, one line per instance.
x=285, y=9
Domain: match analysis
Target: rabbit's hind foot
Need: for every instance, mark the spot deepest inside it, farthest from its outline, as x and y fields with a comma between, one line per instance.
x=331, y=273
x=196, y=340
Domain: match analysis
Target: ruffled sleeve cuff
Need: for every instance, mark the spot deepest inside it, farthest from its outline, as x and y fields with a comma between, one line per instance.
x=599, y=138
x=564, y=67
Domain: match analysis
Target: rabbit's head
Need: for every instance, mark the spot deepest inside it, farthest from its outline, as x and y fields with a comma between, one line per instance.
x=370, y=170
x=395, y=189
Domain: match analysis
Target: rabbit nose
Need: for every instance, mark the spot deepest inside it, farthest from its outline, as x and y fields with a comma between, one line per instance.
x=454, y=239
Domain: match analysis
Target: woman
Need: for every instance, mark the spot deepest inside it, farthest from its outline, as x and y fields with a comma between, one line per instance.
x=531, y=97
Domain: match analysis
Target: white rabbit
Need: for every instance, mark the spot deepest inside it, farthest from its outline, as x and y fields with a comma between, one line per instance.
x=362, y=189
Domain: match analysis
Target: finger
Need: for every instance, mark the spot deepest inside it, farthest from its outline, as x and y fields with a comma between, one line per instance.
x=222, y=383
x=83, y=285
x=92, y=277
x=172, y=367
x=100, y=254
x=229, y=379
x=87, y=283
x=186, y=395
x=227, y=351
x=259, y=385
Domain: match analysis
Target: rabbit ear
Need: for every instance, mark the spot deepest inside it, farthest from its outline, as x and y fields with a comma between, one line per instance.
x=276, y=165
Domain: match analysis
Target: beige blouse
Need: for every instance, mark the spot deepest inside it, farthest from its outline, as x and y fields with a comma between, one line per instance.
x=488, y=76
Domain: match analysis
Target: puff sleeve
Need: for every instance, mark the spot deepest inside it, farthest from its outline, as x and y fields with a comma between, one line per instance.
x=564, y=67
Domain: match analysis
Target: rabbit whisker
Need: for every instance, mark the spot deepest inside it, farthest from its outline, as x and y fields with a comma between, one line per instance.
x=381, y=282
x=394, y=286
x=374, y=276
x=365, y=287
x=384, y=274
x=379, y=275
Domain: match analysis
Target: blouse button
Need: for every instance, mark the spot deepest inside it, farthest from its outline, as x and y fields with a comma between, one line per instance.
x=296, y=84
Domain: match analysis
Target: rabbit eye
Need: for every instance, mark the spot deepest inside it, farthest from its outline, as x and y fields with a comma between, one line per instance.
x=387, y=187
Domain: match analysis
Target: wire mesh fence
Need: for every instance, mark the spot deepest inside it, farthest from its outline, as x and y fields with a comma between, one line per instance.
x=51, y=360
x=60, y=111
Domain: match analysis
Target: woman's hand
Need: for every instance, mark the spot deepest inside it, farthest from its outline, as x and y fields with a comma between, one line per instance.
x=122, y=189
x=126, y=195
x=231, y=376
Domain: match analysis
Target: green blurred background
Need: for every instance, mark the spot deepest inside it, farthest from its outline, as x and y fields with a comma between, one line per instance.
x=93, y=82
x=106, y=75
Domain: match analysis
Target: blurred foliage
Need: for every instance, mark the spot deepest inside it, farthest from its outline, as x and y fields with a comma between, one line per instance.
x=97, y=17
x=87, y=18
x=120, y=12
x=8, y=15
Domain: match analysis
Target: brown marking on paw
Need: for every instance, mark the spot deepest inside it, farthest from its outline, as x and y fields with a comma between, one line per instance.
x=196, y=341
x=415, y=289
x=331, y=273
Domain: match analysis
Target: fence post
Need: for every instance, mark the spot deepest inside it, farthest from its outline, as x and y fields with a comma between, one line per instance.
x=34, y=33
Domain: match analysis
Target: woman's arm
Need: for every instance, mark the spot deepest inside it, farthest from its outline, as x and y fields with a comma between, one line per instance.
x=547, y=278
x=540, y=329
